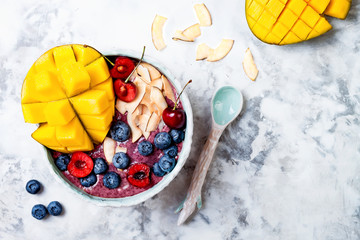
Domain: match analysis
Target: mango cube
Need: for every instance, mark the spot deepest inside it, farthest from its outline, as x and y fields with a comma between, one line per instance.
x=97, y=122
x=85, y=145
x=310, y=16
x=75, y=78
x=85, y=54
x=70, y=134
x=28, y=89
x=46, y=62
x=98, y=135
x=90, y=102
x=63, y=54
x=46, y=135
x=319, y=5
x=301, y=30
x=59, y=112
x=34, y=112
x=106, y=86
x=98, y=71
x=47, y=87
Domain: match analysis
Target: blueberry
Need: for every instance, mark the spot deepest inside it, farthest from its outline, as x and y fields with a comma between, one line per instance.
x=171, y=151
x=54, y=208
x=33, y=186
x=39, y=211
x=177, y=135
x=157, y=170
x=89, y=180
x=100, y=166
x=121, y=160
x=167, y=163
x=162, y=140
x=111, y=180
x=62, y=162
x=145, y=148
x=120, y=131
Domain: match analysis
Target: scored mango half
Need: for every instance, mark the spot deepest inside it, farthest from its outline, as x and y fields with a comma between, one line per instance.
x=69, y=92
x=291, y=21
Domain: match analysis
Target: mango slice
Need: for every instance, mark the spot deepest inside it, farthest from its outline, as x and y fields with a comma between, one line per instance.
x=290, y=21
x=69, y=91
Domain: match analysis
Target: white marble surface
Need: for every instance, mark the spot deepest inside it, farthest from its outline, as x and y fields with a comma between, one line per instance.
x=288, y=168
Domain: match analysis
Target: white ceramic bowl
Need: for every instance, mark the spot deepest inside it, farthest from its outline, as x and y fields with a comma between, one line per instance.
x=138, y=198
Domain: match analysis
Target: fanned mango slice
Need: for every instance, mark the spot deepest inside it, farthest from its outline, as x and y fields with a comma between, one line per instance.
x=290, y=21
x=65, y=83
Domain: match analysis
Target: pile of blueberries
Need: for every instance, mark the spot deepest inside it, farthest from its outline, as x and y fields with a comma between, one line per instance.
x=111, y=179
x=167, y=143
x=39, y=211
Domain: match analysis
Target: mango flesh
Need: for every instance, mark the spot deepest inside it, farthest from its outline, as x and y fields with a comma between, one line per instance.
x=69, y=91
x=290, y=21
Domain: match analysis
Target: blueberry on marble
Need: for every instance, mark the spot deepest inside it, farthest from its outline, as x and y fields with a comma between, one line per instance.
x=121, y=160
x=111, y=180
x=167, y=163
x=54, y=208
x=62, y=162
x=171, y=151
x=157, y=170
x=89, y=180
x=100, y=166
x=145, y=148
x=120, y=131
x=33, y=186
x=177, y=135
x=162, y=140
x=39, y=211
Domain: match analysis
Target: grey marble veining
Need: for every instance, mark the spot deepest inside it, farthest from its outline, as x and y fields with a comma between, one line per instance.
x=287, y=168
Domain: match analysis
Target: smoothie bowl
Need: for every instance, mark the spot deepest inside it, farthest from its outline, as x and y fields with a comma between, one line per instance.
x=113, y=126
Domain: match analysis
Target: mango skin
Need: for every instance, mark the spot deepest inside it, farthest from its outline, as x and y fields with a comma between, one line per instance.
x=284, y=22
x=60, y=75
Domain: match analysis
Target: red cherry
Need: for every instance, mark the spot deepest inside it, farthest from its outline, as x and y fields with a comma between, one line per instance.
x=122, y=68
x=139, y=175
x=174, y=118
x=125, y=91
x=80, y=165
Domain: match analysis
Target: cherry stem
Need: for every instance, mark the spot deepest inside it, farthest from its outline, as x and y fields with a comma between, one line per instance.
x=137, y=65
x=178, y=98
x=112, y=64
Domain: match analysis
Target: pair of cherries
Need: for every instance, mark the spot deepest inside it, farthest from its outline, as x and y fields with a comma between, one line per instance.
x=125, y=90
x=122, y=70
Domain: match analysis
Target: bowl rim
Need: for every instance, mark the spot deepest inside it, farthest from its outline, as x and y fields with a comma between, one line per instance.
x=184, y=154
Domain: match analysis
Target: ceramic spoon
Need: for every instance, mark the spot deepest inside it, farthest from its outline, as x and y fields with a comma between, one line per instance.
x=226, y=104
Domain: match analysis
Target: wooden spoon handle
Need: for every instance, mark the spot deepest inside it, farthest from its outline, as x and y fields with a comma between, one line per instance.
x=194, y=192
